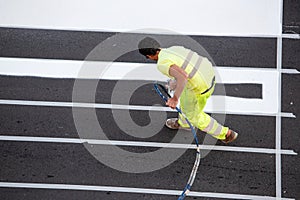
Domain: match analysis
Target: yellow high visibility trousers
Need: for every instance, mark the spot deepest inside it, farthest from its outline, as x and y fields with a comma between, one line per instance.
x=192, y=106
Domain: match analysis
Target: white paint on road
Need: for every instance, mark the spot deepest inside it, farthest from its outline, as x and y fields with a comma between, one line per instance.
x=130, y=107
x=141, y=71
x=278, y=117
x=143, y=144
x=251, y=18
x=133, y=190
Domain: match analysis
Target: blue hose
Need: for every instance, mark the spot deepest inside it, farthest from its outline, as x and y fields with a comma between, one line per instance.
x=198, y=157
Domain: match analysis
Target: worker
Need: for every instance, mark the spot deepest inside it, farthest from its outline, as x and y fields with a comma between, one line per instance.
x=195, y=83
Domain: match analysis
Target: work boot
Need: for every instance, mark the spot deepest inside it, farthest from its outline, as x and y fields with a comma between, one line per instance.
x=172, y=123
x=230, y=136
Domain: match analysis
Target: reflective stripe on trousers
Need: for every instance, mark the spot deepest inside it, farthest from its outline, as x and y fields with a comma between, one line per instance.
x=213, y=128
x=192, y=106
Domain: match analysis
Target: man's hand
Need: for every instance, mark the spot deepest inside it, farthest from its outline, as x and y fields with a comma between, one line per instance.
x=172, y=102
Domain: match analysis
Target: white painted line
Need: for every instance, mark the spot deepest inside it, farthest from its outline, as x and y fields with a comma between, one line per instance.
x=105, y=15
x=85, y=105
x=143, y=144
x=290, y=71
x=283, y=114
x=57, y=68
x=142, y=71
x=278, y=123
x=130, y=107
x=279, y=92
x=291, y=36
x=132, y=190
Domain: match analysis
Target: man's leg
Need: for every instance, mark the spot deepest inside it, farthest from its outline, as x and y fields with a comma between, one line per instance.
x=192, y=106
x=209, y=125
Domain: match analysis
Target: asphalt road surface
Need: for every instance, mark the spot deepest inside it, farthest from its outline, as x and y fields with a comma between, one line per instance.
x=223, y=174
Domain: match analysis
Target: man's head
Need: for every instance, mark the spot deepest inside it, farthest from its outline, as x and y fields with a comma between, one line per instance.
x=149, y=47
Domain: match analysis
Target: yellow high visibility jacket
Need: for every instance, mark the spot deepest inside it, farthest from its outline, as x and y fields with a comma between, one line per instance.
x=198, y=89
x=199, y=69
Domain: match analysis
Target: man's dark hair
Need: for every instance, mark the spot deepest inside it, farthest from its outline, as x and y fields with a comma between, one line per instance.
x=148, y=46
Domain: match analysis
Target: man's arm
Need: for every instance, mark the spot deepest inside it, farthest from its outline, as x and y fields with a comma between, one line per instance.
x=181, y=78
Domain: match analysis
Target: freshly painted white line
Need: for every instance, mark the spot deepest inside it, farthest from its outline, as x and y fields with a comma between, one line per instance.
x=132, y=190
x=84, y=105
x=290, y=36
x=56, y=68
x=130, y=107
x=278, y=123
x=278, y=117
x=225, y=17
x=142, y=71
x=290, y=71
x=142, y=144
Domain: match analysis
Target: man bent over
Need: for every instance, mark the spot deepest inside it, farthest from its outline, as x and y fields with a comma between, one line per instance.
x=195, y=82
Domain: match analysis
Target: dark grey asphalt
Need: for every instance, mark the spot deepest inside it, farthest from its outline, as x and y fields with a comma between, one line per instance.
x=291, y=16
x=75, y=45
x=228, y=172
x=70, y=163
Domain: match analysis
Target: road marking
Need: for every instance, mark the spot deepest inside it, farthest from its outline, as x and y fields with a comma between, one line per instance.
x=143, y=144
x=145, y=71
x=290, y=71
x=132, y=190
x=278, y=117
x=104, y=16
x=127, y=107
x=57, y=68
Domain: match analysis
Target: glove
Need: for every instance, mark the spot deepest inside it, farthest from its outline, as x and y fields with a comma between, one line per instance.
x=171, y=84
